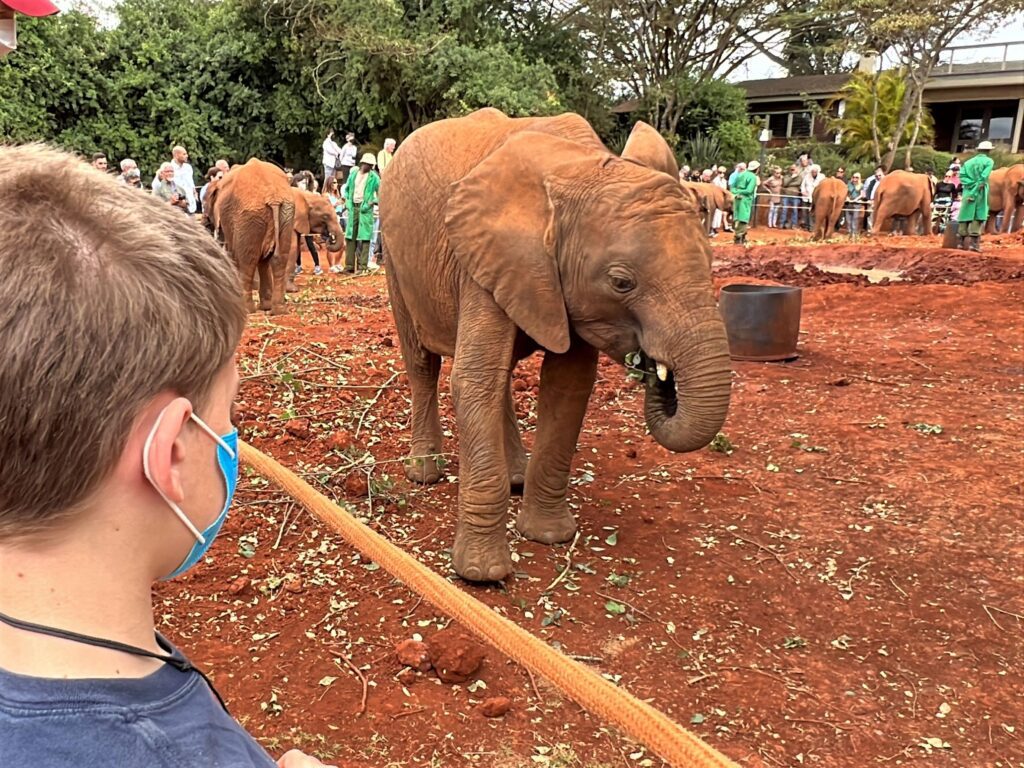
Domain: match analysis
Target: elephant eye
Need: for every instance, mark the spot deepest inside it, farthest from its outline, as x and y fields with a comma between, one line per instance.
x=622, y=283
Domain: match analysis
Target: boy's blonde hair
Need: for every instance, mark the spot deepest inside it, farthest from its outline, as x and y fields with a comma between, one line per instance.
x=107, y=298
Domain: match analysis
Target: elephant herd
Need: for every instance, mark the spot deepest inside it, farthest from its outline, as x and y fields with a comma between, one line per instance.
x=261, y=218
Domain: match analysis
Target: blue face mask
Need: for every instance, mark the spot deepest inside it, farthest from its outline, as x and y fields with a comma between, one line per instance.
x=227, y=460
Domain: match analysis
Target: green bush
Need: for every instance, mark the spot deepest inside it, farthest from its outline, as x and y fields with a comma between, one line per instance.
x=923, y=159
x=736, y=142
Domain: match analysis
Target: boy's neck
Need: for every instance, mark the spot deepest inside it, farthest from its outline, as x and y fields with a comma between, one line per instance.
x=66, y=585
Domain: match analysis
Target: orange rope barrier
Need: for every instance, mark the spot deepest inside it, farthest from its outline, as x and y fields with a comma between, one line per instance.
x=647, y=725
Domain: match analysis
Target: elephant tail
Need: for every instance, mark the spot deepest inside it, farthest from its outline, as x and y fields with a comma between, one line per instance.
x=275, y=214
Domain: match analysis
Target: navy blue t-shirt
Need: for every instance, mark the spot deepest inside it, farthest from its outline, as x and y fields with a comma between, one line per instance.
x=169, y=719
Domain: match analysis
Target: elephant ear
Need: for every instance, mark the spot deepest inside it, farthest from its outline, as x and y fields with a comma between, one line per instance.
x=647, y=147
x=502, y=225
x=301, y=221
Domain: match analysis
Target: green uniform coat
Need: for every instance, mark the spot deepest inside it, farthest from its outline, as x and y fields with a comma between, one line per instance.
x=974, y=197
x=365, y=210
x=744, y=188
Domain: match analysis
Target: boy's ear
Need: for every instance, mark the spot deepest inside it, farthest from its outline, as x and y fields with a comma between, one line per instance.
x=164, y=448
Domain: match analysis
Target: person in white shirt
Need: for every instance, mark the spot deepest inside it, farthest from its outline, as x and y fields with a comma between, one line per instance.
x=807, y=187
x=347, y=158
x=332, y=156
x=718, y=221
x=184, y=178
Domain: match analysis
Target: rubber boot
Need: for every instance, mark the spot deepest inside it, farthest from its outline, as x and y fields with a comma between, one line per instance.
x=974, y=243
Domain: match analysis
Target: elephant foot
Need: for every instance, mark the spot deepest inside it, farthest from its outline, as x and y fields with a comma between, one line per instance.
x=422, y=470
x=291, y=287
x=279, y=309
x=546, y=527
x=479, y=556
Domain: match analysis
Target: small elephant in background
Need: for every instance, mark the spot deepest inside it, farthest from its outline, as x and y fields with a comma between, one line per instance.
x=314, y=215
x=1006, y=196
x=905, y=194
x=532, y=236
x=255, y=210
x=711, y=198
x=827, y=203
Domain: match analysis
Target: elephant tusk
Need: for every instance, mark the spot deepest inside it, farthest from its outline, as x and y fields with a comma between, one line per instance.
x=662, y=372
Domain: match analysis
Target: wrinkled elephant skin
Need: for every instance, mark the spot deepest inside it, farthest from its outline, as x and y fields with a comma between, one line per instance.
x=1006, y=196
x=255, y=211
x=827, y=203
x=903, y=194
x=532, y=236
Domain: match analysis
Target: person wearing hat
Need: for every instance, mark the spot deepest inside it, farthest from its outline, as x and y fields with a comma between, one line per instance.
x=744, y=189
x=9, y=24
x=360, y=197
x=974, y=198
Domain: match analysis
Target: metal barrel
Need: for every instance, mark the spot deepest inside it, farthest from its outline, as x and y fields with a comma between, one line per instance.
x=761, y=321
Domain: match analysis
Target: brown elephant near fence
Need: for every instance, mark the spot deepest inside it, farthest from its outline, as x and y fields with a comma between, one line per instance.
x=1006, y=196
x=493, y=256
x=905, y=194
x=314, y=215
x=255, y=210
x=711, y=198
x=827, y=203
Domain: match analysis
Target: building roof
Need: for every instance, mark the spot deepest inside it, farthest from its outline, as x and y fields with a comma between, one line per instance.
x=825, y=86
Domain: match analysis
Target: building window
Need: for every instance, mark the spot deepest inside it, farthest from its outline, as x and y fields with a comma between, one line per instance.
x=801, y=125
x=778, y=123
x=970, y=124
x=785, y=125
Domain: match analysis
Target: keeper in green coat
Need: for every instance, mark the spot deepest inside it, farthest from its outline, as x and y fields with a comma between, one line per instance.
x=744, y=191
x=360, y=198
x=974, y=197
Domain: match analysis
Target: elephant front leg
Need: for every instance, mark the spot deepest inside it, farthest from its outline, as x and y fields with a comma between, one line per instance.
x=566, y=382
x=480, y=381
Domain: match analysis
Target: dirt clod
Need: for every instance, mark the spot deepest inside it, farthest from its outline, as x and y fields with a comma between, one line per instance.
x=455, y=656
x=356, y=486
x=414, y=654
x=496, y=706
x=297, y=428
x=239, y=585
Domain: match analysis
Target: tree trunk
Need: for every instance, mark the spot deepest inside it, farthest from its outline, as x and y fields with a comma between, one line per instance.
x=918, y=118
x=874, y=120
x=909, y=97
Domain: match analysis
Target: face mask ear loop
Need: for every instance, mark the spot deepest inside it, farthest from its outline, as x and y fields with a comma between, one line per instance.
x=203, y=426
x=149, y=476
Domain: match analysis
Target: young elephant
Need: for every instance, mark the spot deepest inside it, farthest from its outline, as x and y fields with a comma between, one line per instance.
x=827, y=205
x=1006, y=196
x=906, y=194
x=314, y=215
x=532, y=236
x=255, y=210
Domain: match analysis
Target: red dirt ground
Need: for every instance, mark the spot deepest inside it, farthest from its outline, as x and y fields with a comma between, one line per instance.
x=843, y=589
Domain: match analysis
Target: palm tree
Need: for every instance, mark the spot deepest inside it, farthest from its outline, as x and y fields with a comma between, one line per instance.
x=871, y=114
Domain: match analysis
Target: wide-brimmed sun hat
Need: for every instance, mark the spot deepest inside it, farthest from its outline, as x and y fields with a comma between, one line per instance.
x=985, y=146
x=369, y=159
x=754, y=165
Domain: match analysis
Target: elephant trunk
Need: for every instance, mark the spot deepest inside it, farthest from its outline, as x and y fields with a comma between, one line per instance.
x=335, y=243
x=687, y=396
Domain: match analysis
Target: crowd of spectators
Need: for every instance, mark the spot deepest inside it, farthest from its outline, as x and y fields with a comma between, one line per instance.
x=788, y=193
x=345, y=182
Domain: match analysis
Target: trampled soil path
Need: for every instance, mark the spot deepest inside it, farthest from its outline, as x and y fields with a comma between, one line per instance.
x=843, y=587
